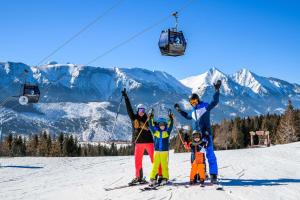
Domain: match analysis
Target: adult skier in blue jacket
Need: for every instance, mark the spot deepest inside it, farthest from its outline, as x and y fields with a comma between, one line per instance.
x=200, y=115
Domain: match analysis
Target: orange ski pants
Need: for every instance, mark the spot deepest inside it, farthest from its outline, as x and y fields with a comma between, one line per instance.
x=198, y=166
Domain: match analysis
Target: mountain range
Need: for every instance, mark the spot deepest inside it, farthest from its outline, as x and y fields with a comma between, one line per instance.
x=83, y=100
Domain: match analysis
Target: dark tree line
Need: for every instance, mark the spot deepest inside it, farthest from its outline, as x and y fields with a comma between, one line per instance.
x=229, y=134
x=234, y=134
x=63, y=145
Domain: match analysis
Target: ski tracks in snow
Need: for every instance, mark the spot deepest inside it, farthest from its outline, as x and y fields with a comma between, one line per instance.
x=246, y=174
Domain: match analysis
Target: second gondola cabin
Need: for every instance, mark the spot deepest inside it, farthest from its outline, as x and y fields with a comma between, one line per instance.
x=32, y=92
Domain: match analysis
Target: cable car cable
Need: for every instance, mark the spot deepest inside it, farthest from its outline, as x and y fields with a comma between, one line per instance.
x=138, y=34
x=79, y=32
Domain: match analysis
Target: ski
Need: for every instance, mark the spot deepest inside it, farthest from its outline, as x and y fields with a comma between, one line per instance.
x=157, y=186
x=217, y=186
x=124, y=186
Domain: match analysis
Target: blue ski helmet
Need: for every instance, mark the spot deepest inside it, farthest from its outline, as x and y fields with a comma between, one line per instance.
x=162, y=120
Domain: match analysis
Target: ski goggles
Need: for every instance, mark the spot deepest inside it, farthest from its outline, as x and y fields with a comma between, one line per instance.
x=162, y=124
x=143, y=110
x=193, y=101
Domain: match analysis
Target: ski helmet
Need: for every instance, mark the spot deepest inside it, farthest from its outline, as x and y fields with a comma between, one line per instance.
x=196, y=134
x=162, y=121
x=140, y=106
x=194, y=96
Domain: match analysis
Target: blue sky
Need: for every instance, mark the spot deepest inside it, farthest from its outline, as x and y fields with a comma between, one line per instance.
x=261, y=35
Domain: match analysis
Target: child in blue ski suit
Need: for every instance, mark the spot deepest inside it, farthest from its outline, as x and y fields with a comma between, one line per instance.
x=200, y=115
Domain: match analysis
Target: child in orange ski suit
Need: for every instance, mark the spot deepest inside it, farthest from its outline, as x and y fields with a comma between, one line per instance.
x=197, y=148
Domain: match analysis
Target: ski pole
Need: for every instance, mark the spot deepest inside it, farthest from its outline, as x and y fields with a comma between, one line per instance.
x=141, y=130
x=117, y=114
x=178, y=131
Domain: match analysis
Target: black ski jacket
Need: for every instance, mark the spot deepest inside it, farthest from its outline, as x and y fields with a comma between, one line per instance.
x=137, y=124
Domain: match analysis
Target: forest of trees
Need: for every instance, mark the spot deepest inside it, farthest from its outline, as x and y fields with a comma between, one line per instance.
x=63, y=145
x=234, y=134
x=229, y=134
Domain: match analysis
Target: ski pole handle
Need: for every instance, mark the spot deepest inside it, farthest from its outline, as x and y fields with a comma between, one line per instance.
x=151, y=111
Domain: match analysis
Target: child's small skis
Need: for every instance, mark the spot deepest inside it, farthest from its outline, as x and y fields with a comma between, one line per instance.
x=156, y=186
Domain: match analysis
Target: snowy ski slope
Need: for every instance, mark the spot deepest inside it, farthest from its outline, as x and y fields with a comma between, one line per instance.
x=262, y=173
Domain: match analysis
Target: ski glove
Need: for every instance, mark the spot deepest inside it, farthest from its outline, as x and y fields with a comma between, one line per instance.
x=217, y=85
x=150, y=114
x=177, y=107
x=203, y=150
x=170, y=114
x=124, y=94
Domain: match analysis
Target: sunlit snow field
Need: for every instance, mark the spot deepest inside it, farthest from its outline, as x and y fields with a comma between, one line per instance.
x=262, y=173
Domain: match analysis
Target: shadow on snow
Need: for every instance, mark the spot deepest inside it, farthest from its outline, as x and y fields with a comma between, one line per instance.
x=258, y=182
x=247, y=182
x=21, y=166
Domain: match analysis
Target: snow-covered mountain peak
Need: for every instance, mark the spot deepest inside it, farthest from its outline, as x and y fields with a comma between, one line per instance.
x=200, y=82
x=246, y=78
x=214, y=74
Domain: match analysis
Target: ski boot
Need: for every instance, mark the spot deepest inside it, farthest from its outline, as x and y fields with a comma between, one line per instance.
x=214, y=179
x=164, y=181
x=201, y=182
x=153, y=183
x=193, y=182
x=142, y=180
x=134, y=181
x=159, y=179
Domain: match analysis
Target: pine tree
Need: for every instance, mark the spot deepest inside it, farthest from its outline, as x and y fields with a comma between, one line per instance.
x=56, y=149
x=18, y=148
x=43, y=149
x=297, y=124
x=237, y=135
x=287, y=130
x=32, y=146
x=8, y=145
x=60, y=140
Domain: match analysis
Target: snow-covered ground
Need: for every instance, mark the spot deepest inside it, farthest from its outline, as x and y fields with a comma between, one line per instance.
x=262, y=173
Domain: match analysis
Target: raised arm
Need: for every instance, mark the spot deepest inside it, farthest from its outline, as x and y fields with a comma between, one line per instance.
x=151, y=124
x=182, y=112
x=128, y=105
x=170, y=123
x=215, y=101
x=216, y=96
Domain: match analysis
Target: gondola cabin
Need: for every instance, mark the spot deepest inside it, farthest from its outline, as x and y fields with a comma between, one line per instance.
x=172, y=43
x=32, y=92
